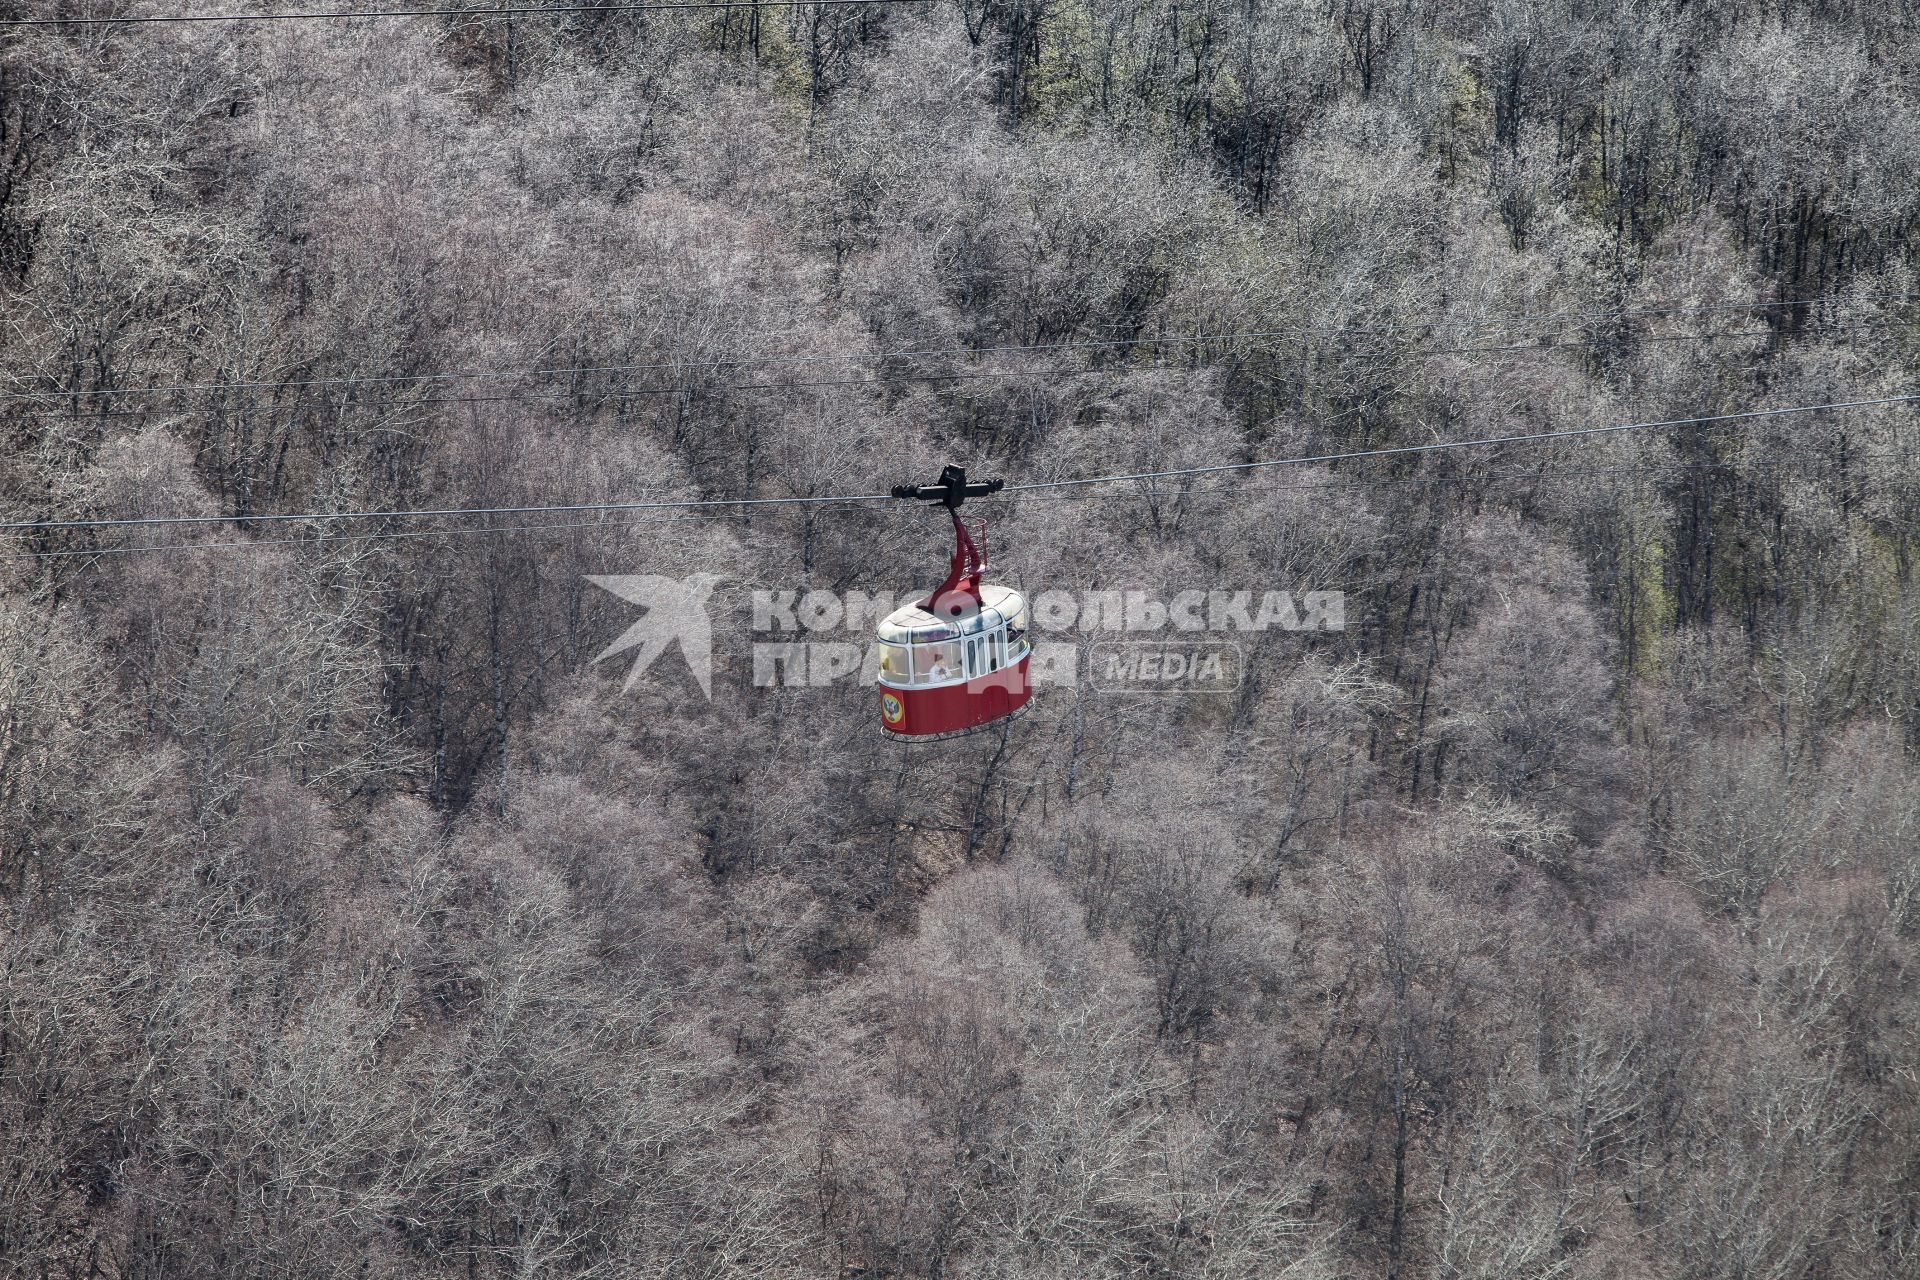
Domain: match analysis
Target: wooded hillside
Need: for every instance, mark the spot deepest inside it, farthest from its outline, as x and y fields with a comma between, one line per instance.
x=1557, y=918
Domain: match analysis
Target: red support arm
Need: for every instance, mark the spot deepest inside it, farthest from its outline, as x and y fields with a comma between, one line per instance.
x=960, y=593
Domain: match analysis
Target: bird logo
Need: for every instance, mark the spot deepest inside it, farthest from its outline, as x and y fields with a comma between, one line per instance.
x=676, y=613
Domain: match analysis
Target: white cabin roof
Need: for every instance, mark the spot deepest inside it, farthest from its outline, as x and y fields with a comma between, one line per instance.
x=914, y=625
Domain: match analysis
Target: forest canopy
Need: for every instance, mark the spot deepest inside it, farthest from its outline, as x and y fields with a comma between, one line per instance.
x=1553, y=915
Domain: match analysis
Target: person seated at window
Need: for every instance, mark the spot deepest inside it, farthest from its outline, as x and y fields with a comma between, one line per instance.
x=939, y=671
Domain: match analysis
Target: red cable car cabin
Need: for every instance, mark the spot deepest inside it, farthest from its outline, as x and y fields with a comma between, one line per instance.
x=942, y=676
x=959, y=658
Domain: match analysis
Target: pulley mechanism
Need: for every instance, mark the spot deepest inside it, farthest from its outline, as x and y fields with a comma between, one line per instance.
x=951, y=491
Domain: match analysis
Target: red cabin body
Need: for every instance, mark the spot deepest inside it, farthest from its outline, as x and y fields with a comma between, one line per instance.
x=968, y=705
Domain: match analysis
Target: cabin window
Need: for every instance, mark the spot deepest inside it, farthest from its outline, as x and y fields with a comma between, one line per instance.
x=933, y=663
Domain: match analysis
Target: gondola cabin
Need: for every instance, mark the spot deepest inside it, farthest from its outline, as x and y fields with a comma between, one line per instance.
x=945, y=675
x=958, y=659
